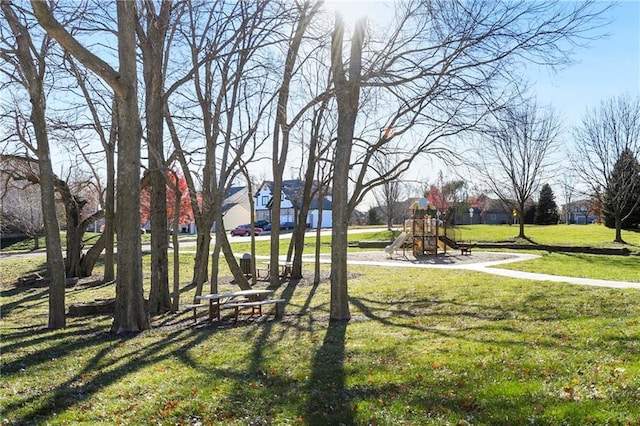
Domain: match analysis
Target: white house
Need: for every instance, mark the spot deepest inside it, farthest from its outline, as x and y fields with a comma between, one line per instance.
x=235, y=208
x=291, y=197
x=235, y=211
x=580, y=212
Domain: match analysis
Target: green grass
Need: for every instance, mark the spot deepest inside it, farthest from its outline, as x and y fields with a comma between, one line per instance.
x=424, y=347
x=617, y=268
x=28, y=244
x=566, y=235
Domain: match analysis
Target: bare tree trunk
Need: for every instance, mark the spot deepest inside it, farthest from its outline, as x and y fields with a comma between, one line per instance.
x=73, y=206
x=215, y=260
x=159, y=299
x=152, y=44
x=347, y=97
x=109, y=211
x=130, y=314
x=223, y=242
x=316, y=278
x=520, y=211
x=34, y=80
x=176, y=250
x=281, y=147
x=89, y=259
x=618, y=238
x=200, y=264
x=55, y=261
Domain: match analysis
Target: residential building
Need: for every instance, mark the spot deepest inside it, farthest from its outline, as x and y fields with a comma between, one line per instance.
x=580, y=212
x=236, y=209
x=495, y=212
x=291, y=200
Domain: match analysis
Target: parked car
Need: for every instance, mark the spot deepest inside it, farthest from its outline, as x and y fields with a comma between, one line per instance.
x=264, y=224
x=245, y=230
x=286, y=225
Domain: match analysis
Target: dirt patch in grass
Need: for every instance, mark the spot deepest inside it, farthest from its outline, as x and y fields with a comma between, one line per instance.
x=449, y=258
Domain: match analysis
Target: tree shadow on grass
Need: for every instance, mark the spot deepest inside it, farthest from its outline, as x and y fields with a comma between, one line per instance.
x=95, y=375
x=28, y=296
x=29, y=349
x=328, y=400
x=327, y=378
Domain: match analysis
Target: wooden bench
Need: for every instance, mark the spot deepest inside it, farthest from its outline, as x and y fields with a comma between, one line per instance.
x=287, y=269
x=465, y=250
x=253, y=305
x=195, y=308
x=262, y=273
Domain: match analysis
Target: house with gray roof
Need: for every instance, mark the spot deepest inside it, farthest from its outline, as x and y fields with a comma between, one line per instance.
x=291, y=200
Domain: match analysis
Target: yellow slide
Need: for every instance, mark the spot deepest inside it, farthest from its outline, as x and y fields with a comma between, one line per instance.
x=397, y=243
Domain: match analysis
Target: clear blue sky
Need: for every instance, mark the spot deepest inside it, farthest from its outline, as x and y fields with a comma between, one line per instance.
x=609, y=67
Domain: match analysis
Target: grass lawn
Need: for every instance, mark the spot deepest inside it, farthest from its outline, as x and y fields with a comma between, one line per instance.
x=423, y=347
x=593, y=235
x=614, y=268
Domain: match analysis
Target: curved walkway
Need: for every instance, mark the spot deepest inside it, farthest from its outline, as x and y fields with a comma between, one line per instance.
x=484, y=264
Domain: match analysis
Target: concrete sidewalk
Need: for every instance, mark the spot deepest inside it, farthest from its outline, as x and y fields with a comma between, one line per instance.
x=490, y=268
x=554, y=278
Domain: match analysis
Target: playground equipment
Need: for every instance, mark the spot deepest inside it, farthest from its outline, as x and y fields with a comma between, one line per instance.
x=425, y=233
x=397, y=243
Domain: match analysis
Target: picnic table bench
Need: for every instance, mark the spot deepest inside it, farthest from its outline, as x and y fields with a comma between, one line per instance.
x=236, y=300
x=287, y=269
x=465, y=249
x=254, y=305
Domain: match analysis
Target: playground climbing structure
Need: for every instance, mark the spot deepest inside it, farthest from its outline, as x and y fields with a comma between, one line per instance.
x=424, y=235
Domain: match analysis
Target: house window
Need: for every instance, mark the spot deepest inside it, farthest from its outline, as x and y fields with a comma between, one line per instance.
x=265, y=200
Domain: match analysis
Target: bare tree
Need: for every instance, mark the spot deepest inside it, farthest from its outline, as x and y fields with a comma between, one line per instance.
x=76, y=195
x=152, y=29
x=31, y=70
x=76, y=198
x=175, y=187
x=388, y=194
x=442, y=66
x=439, y=69
x=517, y=153
x=311, y=193
x=231, y=96
x=103, y=112
x=130, y=314
x=604, y=136
x=348, y=99
x=306, y=11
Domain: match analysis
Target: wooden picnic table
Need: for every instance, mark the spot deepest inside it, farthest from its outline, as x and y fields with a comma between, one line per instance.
x=287, y=269
x=218, y=300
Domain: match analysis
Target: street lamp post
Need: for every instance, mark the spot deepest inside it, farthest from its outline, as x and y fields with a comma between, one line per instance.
x=470, y=215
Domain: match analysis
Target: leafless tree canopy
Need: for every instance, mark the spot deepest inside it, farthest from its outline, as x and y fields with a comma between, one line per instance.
x=516, y=153
x=605, y=133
